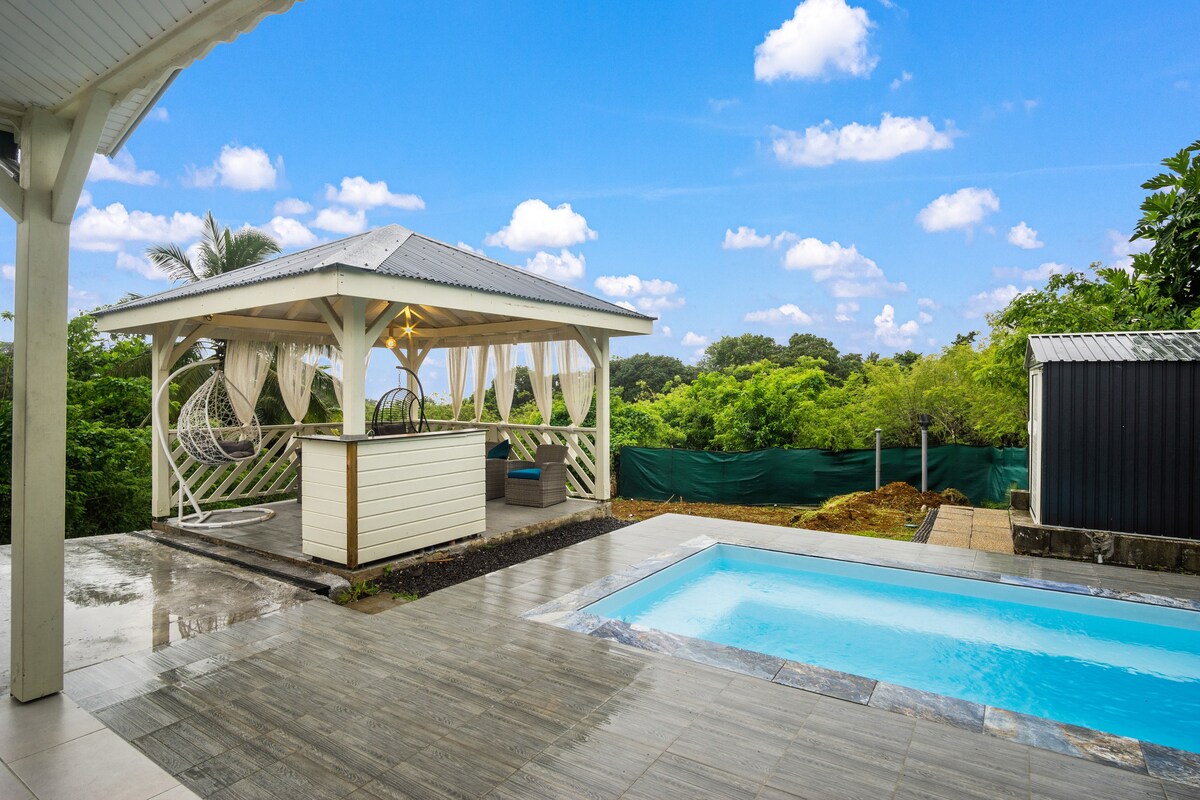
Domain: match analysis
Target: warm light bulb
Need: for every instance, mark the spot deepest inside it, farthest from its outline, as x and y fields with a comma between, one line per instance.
x=390, y=342
x=408, y=330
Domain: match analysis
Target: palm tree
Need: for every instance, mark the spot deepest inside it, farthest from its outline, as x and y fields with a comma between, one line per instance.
x=221, y=250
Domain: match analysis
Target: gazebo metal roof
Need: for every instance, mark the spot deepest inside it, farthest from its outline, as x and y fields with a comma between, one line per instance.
x=395, y=251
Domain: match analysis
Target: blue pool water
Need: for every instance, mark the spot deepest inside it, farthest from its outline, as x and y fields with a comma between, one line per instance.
x=1116, y=666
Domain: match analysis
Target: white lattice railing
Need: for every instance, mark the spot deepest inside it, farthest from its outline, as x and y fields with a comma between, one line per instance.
x=580, y=443
x=273, y=472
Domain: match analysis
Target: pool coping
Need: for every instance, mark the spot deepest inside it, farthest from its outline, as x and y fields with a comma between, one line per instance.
x=1127, y=753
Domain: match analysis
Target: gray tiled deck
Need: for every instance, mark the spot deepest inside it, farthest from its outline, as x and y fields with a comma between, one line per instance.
x=456, y=696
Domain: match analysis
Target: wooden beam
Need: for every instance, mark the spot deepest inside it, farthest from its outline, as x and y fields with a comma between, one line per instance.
x=386, y=316
x=486, y=329
x=323, y=305
x=189, y=340
x=72, y=172
x=12, y=198
x=267, y=324
x=295, y=308
x=590, y=339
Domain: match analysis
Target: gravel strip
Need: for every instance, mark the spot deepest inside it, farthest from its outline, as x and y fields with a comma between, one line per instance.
x=421, y=579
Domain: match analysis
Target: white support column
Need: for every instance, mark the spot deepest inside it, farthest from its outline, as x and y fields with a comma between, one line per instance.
x=161, y=351
x=603, y=425
x=39, y=416
x=354, y=366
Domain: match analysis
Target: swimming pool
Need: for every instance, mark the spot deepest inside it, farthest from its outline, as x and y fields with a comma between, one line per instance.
x=1127, y=668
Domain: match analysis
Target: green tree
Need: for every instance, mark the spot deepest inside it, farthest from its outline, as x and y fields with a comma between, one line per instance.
x=645, y=374
x=741, y=351
x=220, y=251
x=1171, y=222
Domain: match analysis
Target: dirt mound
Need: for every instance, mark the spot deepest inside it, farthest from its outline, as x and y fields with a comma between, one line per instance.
x=886, y=511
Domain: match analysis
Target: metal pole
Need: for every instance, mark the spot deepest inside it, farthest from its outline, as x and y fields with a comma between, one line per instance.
x=924, y=460
x=878, y=455
x=924, y=420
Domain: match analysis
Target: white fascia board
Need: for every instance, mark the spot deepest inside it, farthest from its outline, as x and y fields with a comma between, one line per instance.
x=223, y=301
x=357, y=283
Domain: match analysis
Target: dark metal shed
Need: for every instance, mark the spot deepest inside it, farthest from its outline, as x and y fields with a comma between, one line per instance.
x=1114, y=431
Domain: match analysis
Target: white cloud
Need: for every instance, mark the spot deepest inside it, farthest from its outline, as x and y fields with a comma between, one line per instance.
x=291, y=206
x=1123, y=250
x=80, y=300
x=246, y=169
x=924, y=317
x=469, y=249
x=632, y=285
x=564, y=267
x=1030, y=105
x=852, y=274
x=719, y=104
x=106, y=229
x=8, y=271
x=626, y=305
x=891, y=334
x=1024, y=237
x=85, y=199
x=786, y=313
x=958, y=211
x=290, y=233
x=822, y=145
x=122, y=169
x=743, y=239
x=904, y=78
x=821, y=38
x=984, y=303
x=159, y=114
x=927, y=302
x=658, y=304
x=141, y=265
x=666, y=331
x=534, y=224
x=844, y=311
x=360, y=193
x=1039, y=273
x=340, y=220
x=691, y=339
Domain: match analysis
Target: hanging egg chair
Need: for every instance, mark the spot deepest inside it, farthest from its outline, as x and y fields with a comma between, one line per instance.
x=210, y=431
x=400, y=410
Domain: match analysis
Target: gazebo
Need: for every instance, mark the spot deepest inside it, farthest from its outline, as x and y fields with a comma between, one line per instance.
x=394, y=289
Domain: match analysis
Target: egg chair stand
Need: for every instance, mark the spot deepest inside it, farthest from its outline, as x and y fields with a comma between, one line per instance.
x=211, y=433
x=400, y=410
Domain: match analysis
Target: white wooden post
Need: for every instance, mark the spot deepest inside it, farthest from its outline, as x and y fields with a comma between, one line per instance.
x=161, y=348
x=39, y=415
x=603, y=427
x=354, y=366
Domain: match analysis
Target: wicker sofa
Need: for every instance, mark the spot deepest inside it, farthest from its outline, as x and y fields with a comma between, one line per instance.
x=538, y=483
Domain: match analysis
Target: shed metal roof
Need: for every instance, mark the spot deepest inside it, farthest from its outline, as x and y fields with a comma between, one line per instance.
x=1113, y=347
x=395, y=251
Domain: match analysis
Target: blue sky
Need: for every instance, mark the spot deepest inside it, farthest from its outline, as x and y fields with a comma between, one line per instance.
x=881, y=156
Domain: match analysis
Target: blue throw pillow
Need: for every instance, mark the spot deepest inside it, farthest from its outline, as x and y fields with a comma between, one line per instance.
x=501, y=450
x=529, y=474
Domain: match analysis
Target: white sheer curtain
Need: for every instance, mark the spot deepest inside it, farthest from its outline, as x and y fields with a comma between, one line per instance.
x=541, y=375
x=295, y=366
x=456, y=367
x=577, y=377
x=246, y=368
x=479, y=353
x=505, y=356
x=334, y=355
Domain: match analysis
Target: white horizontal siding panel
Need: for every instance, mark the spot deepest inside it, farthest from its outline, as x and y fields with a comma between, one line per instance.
x=326, y=551
x=380, y=480
x=326, y=477
x=397, y=520
x=320, y=507
x=374, y=552
x=318, y=521
x=323, y=491
x=455, y=525
x=384, y=490
x=370, y=458
x=370, y=512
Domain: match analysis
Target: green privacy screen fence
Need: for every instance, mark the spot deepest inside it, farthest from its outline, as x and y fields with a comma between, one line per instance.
x=808, y=477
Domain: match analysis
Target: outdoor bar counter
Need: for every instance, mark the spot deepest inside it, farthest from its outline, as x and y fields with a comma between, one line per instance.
x=370, y=497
